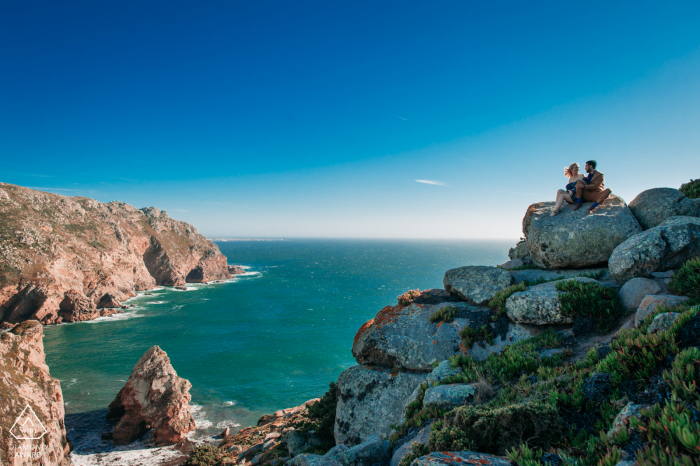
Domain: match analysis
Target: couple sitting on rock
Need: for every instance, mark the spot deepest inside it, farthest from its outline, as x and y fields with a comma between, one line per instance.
x=590, y=188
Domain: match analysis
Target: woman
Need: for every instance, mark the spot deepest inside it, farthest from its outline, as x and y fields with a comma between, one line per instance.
x=569, y=192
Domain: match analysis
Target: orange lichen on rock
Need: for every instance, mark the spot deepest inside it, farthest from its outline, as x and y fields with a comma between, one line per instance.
x=362, y=330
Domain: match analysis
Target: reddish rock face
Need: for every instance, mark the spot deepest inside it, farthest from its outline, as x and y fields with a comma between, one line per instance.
x=25, y=381
x=53, y=245
x=109, y=301
x=155, y=398
x=77, y=307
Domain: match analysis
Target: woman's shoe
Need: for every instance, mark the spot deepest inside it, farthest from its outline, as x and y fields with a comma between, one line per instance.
x=554, y=212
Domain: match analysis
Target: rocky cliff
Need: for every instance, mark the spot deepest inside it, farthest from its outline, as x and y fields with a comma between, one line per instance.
x=32, y=431
x=60, y=257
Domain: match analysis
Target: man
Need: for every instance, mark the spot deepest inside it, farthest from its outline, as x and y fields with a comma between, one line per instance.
x=591, y=187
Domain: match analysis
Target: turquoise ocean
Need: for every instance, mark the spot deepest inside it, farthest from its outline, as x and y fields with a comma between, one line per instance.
x=268, y=340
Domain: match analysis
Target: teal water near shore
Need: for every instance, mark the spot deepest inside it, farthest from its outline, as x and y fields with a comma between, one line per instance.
x=268, y=340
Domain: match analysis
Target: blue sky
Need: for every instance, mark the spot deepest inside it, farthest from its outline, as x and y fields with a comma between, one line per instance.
x=315, y=119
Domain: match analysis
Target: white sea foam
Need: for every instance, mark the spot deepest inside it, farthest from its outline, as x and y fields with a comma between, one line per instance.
x=229, y=403
x=199, y=416
x=114, y=317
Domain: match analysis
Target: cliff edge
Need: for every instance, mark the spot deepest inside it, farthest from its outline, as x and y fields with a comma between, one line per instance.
x=62, y=258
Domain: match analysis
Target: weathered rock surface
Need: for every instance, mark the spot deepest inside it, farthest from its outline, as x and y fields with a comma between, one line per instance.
x=406, y=447
x=540, y=305
x=623, y=418
x=519, y=252
x=461, y=458
x=577, y=239
x=663, y=322
x=308, y=459
x=658, y=249
x=449, y=396
x=476, y=284
x=51, y=245
x=532, y=275
x=109, y=301
x=440, y=373
x=273, y=431
x=155, y=398
x=28, y=392
x=404, y=336
x=77, y=307
x=372, y=451
x=370, y=399
x=635, y=290
x=650, y=303
x=653, y=206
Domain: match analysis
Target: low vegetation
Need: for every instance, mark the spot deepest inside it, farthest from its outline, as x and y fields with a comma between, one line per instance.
x=547, y=411
x=408, y=297
x=687, y=280
x=322, y=420
x=691, y=189
x=205, y=455
x=591, y=300
x=444, y=314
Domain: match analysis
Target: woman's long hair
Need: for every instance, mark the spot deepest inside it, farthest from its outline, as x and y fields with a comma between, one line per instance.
x=569, y=172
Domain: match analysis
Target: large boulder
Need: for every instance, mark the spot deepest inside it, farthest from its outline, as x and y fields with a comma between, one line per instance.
x=653, y=206
x=661, y=248
x=650, y=303
x=575, y=239
x=420, y=436
x=476, y=284
x=76, y=307
x=373, y=451
x=370, y=400
x=153, y=397
x=403, y=335
x=540, y=305
x=532, y=275
x=308, y=459
x=461, y=458
x=634, y=291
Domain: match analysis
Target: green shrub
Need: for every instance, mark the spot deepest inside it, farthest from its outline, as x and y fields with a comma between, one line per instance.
x=322, y=417
x=444, y=314
x=205, y=455
x=691, y=189
x=417, y=450
x=498, y=301
x=687, y=280
x=591, y=300
x=495, y=430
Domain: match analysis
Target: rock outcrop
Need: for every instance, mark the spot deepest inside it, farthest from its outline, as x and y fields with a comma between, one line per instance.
x=476, y=284
x=650, y=303
x=575, y=239
x=370, y=400
x=446, y=458
x=155, y=398
x=653, y=206
x=32, y=430
x=54, y=247
x=634, y=291
x=403, y=335
x=661, y=248
x=540, y=305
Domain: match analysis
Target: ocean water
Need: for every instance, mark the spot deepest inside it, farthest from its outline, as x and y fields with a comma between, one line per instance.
x=268, y=340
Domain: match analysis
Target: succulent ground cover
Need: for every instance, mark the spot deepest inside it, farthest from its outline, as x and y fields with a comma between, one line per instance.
x=548, y=411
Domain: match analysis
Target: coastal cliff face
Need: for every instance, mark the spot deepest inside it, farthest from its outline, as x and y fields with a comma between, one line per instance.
x=31, y=402
x=60, y=256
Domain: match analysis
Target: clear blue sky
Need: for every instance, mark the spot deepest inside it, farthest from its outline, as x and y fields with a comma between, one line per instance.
x=315, y=119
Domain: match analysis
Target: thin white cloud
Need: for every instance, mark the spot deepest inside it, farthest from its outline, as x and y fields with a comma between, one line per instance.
x=433, y=182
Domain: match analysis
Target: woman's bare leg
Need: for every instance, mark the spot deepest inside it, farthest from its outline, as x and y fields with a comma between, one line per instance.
x=559, y=201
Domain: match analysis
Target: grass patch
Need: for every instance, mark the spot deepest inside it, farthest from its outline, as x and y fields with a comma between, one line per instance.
x=691, y=189
x=444, y=314
x=591, y=300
